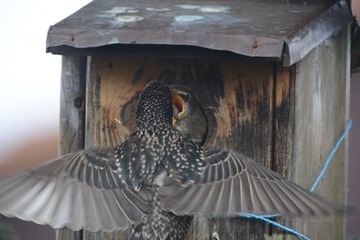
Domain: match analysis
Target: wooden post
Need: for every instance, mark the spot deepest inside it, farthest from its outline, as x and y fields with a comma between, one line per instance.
x=72, y=116
x=321, y=109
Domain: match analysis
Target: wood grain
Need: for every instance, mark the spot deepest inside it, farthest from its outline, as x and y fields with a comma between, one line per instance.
x=72, y=117
x=322, y=80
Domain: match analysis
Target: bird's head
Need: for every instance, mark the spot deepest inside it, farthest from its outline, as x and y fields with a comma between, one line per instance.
x=188, y=116
x=155, y=106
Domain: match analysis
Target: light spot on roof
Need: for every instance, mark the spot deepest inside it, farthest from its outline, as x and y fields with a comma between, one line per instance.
x=128, y=18
x=188, y=18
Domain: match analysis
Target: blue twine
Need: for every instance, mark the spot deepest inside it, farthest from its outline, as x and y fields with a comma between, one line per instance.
x=332, y=153
x=322, y=172
x=250, y=215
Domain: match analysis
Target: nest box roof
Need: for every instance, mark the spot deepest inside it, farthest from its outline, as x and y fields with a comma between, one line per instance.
x=281, y=29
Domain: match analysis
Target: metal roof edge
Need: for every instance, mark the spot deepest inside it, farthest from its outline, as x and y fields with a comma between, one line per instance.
x=247, y=45
x=328, y=23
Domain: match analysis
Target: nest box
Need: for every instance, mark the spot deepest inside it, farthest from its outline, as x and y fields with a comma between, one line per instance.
x=272, y=75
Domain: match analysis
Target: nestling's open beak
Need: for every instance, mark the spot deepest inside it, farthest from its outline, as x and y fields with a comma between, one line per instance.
x=178, y=106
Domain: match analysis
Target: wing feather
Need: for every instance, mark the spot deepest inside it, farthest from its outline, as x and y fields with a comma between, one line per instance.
x=80, y=191
x=232, y=183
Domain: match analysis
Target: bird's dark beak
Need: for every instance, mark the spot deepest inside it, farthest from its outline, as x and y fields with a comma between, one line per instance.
x=178, y=106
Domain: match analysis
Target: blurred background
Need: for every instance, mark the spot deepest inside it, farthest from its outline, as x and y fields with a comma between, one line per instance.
x=30, y=92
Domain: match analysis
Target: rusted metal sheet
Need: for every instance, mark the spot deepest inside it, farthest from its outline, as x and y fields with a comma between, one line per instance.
x=303, y=41
x=258, y=28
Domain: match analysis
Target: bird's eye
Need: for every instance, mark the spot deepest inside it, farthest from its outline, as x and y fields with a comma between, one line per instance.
x=186, y=97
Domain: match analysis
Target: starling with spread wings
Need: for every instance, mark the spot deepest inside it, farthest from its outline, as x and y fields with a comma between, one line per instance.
x=153, y=182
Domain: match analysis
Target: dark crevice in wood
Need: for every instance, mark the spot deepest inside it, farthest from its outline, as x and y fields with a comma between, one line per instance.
x=273, y=161
x=82, y=86
x=274, y=118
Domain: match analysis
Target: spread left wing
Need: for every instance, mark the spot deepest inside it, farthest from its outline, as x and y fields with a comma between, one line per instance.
x=232, y=183
x=80, y=191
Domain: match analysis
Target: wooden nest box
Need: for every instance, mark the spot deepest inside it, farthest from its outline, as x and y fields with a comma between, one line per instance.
x=273, y=77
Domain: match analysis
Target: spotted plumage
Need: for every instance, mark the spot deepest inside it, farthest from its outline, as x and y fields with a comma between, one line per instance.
x=153, y=182
x=156, y=144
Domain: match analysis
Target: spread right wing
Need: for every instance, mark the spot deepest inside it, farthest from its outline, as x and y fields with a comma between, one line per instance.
x=232, y=184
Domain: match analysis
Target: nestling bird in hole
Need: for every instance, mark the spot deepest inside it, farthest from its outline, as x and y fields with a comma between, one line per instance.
x=155, y=181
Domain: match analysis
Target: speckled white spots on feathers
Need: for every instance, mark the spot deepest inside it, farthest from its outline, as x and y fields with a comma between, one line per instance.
x=157, y=144
x=167, y=148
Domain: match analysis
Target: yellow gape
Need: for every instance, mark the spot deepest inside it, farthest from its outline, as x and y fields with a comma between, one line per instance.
x=178, y=103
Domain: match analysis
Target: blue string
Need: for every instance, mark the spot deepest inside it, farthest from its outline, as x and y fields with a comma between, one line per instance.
x=332, y=153
x=250, y=215
x=323, y=170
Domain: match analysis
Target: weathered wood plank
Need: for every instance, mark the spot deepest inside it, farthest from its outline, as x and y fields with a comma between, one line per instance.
x=237, y=94
x=284, y=125
x=72, y=114
x=108, y=89
x=321, y=111
x=307, y=128
x=284, y=122
x=244, y=122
